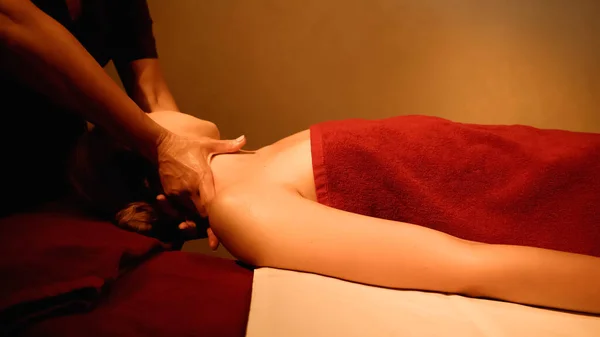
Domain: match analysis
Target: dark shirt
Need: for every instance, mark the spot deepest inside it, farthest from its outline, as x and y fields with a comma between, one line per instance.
x=37, y=136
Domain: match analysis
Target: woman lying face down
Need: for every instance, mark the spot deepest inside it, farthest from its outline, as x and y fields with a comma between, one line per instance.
x=267, y=212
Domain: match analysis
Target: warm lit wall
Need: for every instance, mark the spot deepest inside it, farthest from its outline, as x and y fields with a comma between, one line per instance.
x=268, y=68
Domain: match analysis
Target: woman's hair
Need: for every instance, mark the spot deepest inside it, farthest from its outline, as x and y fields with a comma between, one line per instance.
x=117, y=184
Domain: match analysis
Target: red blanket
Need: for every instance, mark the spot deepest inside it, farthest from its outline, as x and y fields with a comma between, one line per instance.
x=172, y=294
x=54, y=263
x=495, y=184
x=66, y=275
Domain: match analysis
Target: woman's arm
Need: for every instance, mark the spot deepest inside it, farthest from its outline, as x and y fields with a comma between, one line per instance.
x=278, y=228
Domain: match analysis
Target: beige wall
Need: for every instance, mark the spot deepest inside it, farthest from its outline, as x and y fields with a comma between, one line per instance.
x=268, y=68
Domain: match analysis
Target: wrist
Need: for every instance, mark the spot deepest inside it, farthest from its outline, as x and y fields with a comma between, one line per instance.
x=158, y=141
x=150, y=139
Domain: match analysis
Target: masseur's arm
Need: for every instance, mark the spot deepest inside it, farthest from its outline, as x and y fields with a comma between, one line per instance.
x=146, y=85
x=278, y=228
x=44, y=55
x=135, y=57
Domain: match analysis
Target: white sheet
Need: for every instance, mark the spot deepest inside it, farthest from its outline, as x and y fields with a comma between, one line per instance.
x=290, y=304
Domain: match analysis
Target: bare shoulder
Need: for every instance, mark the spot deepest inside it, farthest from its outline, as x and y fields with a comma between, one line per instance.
x=289, y=164
x=276, y=170
x=247, y=199
x=248, y=215
x=185, y=125
x=240, y=217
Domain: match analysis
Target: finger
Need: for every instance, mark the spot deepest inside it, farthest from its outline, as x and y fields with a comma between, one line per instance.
x=213, y=241
x=187, y=224
x=188, y=229
x=227, y=146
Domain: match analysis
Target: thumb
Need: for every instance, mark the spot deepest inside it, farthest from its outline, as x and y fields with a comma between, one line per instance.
x=227, y=146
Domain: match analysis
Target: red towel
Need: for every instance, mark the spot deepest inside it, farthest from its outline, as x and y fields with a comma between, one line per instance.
x=495, y=184
x=55, y=263
x=171, y=294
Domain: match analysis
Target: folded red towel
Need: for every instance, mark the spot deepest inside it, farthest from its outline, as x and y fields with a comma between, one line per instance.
x=496, y=184
x=171, y=294
x=54, y=263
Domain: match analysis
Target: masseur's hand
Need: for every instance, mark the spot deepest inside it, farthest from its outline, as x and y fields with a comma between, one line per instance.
x=184, y=170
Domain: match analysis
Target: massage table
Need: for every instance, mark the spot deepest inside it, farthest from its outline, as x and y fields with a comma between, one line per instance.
x=294, y=304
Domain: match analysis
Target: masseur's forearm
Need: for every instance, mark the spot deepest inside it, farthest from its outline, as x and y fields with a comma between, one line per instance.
x=44, y=55
x=540, y=277
x=144, y=81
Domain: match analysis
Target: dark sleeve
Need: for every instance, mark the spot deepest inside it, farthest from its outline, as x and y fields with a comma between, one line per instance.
x=131, y=34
